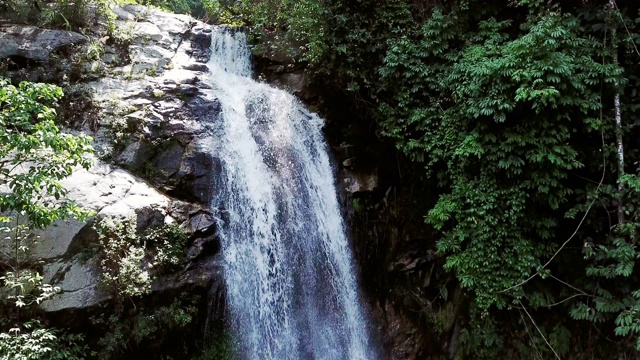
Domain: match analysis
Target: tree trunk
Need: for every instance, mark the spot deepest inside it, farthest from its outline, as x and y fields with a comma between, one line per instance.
x=618, y=119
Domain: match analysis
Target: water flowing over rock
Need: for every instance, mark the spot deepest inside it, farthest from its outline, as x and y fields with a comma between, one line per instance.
x=289, y=271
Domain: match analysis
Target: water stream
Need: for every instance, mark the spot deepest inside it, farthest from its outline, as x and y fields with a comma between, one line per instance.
x=289, y=272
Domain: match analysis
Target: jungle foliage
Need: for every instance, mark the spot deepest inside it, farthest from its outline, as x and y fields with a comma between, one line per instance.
x=35, y=157
x=510, y=107
x=191, y=7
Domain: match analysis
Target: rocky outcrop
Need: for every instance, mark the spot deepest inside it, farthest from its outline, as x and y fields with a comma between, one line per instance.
x=155, y=108
x=79, y=282
x=112, y=192
x=418, y=307
x=414, y=302
x=141, y=92
x=278, y=61
x=31, y=43
x=107, y=191
x=361, y=180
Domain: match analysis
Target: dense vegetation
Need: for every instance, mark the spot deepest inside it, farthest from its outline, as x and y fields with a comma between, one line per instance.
x=36, y=156
x=524, y=114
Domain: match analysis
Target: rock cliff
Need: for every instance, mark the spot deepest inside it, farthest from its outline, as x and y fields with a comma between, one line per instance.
x=137, y=89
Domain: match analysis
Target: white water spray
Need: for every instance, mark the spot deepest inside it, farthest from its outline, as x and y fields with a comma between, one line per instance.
x=289, y=272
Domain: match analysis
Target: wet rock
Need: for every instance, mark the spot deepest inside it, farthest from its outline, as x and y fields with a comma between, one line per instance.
x=401, y=336
x=202, y=224
x=202, y=36
x=360, y=180
x=203, y=247
x=197, y=174
x=216, y=296
x=201, y=275
x=175, y=128
x=167, y=108
x=344, y=151
x=189, y=90
x=203, y=108
x=350, y=162
x=293, y=82
x=190, y=81
x=196, y=67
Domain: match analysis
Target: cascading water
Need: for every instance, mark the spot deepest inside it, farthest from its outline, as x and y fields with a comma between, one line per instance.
x=290, y=280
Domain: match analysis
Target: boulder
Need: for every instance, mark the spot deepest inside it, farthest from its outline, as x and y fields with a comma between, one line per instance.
x=108, y=190
x=169, y=160
x=196, y=179
x=204, y=108
x=33, y=43
x=201, y=276
x=79, y=282
x=56, y=239
x=202, y=223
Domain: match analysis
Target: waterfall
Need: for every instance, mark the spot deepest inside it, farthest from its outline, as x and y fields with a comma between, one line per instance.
x=289, y=272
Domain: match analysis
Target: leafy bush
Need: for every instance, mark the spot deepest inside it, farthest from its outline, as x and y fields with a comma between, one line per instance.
x=218, y=346
x=68, y=14
x=194, y=8
x=293, y=27
x=128, y=260
x=35, y=155
x=122, y=257
x=32, y=341
x=168, y=243
x=130, y=327
x=510, y=109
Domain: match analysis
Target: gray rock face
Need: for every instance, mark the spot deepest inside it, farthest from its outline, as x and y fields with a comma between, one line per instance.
x=295, y=82
x=64, y=232
x=108, y=191
x=80, y=284
x=151, y=110
x=33, y=43
x=164, y=102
